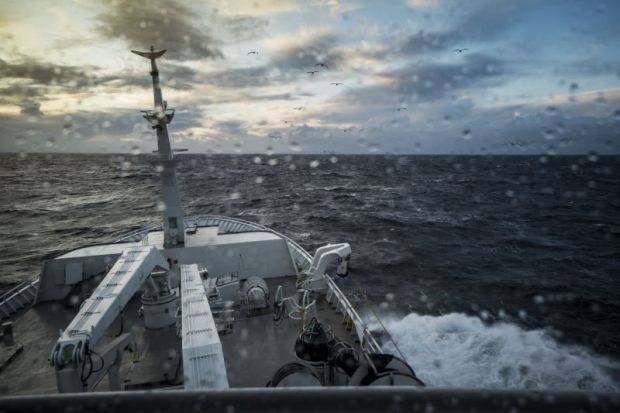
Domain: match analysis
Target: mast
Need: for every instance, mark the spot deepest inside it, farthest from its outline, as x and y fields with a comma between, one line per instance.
x=159, y=118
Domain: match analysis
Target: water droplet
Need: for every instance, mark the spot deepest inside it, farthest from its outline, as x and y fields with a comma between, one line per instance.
x=161, y=207
x=273, y=162
x=106, y=124
x=159, y=168
x=539, y=299
x=551, y=110
x=259, y=180
x=257, y=159
x=548, y=134
x=466, y=134
x=135, y=150
x=389, y=296
x=295, y=147
x=333, y=159
x=314, y=164
x=593, y=157
x=50, y=142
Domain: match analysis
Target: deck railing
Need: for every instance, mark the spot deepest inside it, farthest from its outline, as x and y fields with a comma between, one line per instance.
x=24, y=294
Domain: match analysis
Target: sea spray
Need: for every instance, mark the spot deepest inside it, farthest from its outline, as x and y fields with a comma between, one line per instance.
x=457, y=350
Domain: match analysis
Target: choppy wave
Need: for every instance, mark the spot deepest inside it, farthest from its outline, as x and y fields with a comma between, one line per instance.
x=456, y=350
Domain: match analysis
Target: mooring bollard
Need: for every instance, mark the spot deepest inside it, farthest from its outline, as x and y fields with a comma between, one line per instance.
x=7, y=333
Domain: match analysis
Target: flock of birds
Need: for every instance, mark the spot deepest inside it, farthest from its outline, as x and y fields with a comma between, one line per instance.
x=336, y=84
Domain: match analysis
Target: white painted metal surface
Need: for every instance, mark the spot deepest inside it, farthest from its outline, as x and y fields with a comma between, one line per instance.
x=203, y=358
x=112, y=294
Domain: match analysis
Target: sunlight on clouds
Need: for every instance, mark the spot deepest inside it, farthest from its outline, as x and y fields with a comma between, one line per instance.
x=385, y=54
x=257, y=7
x=423, y=4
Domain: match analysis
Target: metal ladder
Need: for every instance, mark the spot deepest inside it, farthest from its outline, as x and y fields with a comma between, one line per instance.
x=18, y=297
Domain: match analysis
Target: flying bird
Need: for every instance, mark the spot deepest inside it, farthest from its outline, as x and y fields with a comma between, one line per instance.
x=253, y=52
x=336, y=83
x=401, y=108
x=347, y=130
x=322, y=65
x=460, y=50
x=312, y=72
x=299, y=108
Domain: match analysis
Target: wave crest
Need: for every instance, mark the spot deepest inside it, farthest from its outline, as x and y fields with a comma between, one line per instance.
x=456, y=350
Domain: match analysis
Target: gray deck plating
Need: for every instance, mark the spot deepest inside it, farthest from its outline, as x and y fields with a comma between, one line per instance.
x=254, y=349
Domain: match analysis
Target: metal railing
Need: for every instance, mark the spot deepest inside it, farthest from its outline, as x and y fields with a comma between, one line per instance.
x=18, y=297
x=25, y=293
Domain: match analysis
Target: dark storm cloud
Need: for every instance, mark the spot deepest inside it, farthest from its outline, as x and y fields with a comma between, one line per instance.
x=83, y=131
x=49, y=74
x=30, y=107
x=305, y=55
x=164, y=24
x=483, y=23
x=434, y=80
x=429, y=82
x=17, y=94
x=230, y=128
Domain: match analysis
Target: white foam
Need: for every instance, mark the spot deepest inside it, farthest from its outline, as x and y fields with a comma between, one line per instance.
x=456, y=350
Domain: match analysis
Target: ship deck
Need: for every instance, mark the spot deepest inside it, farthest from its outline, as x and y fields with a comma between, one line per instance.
x=253, y=350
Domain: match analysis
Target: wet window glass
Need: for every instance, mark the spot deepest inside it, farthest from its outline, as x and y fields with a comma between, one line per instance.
x=416, y=201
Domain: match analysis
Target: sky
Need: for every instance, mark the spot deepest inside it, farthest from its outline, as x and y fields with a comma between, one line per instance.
x=533, y=77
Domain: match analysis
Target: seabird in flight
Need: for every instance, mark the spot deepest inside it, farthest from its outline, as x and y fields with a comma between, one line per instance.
x=336, y=83
x=322, y=65
x=299, y=108
x=401, y=108
x=312, y=72
x=253, y=52
x=460, y=50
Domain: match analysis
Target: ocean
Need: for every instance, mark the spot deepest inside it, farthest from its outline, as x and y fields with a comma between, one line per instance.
x=486, y=271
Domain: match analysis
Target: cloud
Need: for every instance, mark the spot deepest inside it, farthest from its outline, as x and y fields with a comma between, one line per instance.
x=240, y=27
x=164, y=24
x=485, y=22
x=31, y=108
x=304, y=51
x=49, y=74
x=256, y=8
x=426, y=82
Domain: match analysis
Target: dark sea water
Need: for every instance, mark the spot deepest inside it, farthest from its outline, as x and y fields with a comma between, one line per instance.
x=487, y=271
